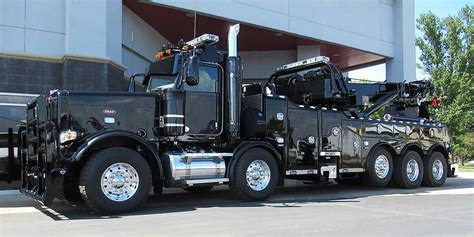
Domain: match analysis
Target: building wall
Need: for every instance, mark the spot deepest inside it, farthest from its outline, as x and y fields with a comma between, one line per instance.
x=369, y=25
x=140, y=42
x=262, y=64
x=32, y=27
x=60, y=44
x=361, y=24
x=74, y=43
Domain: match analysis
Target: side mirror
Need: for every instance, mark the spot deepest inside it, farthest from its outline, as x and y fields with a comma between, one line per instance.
x=131, y=84
x=192, y=71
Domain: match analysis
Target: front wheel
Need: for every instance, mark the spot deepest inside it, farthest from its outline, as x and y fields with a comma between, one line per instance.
x=255, y=175
x=115, y=180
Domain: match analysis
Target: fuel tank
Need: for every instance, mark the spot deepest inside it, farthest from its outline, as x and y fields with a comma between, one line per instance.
x=185, y=166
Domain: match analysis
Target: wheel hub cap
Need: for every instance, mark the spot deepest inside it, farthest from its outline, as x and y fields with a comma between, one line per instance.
x=382, y=166
x=438, y=170
x=258, y=175
x=119, y=182
x=413, y=170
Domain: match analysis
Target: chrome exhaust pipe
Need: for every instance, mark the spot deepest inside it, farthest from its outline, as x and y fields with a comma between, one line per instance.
x=232, y=40
x=233, y=85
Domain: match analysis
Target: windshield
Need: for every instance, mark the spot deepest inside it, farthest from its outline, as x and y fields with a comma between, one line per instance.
x=161, y=82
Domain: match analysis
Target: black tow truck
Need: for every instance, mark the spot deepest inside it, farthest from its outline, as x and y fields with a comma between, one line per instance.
x=199, y=125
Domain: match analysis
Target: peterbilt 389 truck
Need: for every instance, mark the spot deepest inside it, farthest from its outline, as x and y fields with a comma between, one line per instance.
x=199, y=124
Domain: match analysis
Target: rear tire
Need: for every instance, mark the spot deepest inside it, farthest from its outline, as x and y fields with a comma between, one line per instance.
x=435, y=170
x=198, y=189
x=408, y=171
x=255, y=175
x=115, y=180
x=379, y=168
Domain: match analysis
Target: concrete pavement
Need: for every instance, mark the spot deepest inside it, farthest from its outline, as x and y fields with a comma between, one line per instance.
x=296, y=210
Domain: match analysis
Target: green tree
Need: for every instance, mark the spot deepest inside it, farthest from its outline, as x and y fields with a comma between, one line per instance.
x=447, y=54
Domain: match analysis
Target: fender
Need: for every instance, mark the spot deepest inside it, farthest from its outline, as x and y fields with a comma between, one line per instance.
x=410, y=145
x=101, y=136
x=441, y=148
x=244, y=146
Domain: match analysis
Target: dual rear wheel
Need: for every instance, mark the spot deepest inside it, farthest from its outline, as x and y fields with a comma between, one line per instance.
x=408, y=171
x=255, y=175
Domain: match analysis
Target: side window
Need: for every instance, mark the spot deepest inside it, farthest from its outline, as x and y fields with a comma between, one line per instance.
x=208, y=80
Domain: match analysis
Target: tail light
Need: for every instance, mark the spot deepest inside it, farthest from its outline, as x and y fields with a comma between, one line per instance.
x=435, y=102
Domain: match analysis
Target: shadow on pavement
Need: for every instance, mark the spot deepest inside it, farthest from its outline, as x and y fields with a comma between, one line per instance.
x=293, y=195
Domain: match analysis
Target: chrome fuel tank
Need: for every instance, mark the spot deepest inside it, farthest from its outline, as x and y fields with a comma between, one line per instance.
x=188, y=167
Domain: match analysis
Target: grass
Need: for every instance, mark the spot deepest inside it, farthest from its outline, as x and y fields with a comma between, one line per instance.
x=466, y=167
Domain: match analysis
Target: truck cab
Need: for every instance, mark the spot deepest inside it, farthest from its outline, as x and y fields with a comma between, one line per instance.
x=203, y=101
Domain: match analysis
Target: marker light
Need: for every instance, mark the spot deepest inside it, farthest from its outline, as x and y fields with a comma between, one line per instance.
x=67, y=135
x=203, y=39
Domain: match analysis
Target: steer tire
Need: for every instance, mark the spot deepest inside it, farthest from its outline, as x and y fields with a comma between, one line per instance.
x=370, y=177
x=400, y=172
x=429, y=179
x=239, y=185
x=198, y=189
x=90, y=182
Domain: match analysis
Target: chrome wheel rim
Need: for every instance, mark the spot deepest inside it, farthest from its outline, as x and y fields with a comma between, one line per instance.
x=382, y=166
x=437, y=170
x=258, y=175
x=119, y=182
x=413, y=170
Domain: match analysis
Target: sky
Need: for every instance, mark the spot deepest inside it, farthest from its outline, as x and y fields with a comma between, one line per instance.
x=441, y=8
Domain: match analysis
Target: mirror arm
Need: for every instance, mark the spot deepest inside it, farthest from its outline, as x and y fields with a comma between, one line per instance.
x=131, y=84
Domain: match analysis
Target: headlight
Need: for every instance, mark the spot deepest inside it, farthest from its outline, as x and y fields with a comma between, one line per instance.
x=67, y=135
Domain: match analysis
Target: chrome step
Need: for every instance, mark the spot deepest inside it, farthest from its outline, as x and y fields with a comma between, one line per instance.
x=302, y=172
x=206, y=181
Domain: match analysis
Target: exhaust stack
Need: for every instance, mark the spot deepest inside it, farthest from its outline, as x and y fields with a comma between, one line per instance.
x=232, y=40
x=233, y=85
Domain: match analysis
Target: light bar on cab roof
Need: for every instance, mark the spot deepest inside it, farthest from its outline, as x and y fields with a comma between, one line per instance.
x=303, y=63
x=203, y=39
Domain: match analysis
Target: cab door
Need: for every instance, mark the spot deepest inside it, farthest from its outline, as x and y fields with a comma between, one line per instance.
x=203, y=101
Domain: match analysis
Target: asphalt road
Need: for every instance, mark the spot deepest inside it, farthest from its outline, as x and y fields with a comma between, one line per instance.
x=296, y=210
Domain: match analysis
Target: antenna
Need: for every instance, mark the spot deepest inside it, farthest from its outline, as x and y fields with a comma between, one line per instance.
x=195, y=18
x=132, y=53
